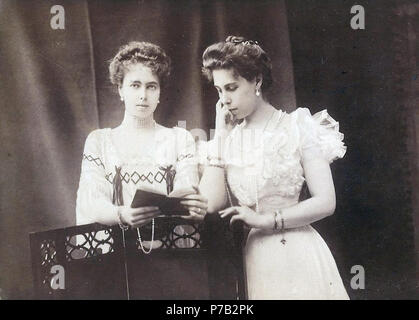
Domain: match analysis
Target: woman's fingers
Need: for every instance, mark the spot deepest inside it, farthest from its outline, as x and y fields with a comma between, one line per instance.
x=146, y=216
x=194, y=204
x=196, y=188
x=142, y=223
x=219, y=106
x=227, y=114
x=199, y=212
x=229, y=211
x=142, y=210
x=229, y=118
x=235, y=218
x=222, y=109
x=194, y=216
x=195, y=197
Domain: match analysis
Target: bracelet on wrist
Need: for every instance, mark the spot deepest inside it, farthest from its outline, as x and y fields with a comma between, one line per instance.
x=216, y=162
x=279, y=212
x=122, y=225
x=275, y=221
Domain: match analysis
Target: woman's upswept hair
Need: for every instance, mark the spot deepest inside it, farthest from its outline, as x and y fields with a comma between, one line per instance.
x=146, y=53
x=245, y=57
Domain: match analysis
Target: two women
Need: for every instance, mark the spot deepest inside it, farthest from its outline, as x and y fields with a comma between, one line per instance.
x=263, y=155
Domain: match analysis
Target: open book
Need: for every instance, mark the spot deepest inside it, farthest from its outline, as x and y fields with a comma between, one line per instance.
x=168, y=205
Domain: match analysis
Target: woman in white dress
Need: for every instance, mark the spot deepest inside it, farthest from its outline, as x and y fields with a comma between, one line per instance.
x=139, y=153
x=264, y=161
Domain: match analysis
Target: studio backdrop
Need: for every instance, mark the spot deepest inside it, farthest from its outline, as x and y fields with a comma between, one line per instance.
x=54, y=90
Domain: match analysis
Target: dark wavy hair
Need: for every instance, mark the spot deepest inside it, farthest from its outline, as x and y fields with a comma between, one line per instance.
x=245, y=57
x=146, y=53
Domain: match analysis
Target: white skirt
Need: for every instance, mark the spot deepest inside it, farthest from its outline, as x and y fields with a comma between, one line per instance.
x=302, y=268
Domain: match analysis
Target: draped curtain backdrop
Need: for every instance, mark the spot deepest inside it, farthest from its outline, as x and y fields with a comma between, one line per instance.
x=368, y=80
x=407, y=86
x=54, y=90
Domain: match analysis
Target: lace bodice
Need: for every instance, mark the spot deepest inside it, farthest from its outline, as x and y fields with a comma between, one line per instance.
x=171, y=164
x=267, y=164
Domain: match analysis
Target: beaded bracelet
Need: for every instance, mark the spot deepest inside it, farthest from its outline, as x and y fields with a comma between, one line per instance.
x=122, y=225
x=275, y=222
x=282, y=221
x=216, y=162
x=283, y=241
x=217, y=166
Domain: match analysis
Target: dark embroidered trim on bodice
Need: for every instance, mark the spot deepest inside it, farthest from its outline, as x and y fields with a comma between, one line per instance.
x=185, y=156
x=136, y=177
x=97, y=160
x=166, y=174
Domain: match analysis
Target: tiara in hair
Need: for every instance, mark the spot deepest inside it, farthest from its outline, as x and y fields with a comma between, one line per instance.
x=245, y=42
x=144, y=56
x=137, y=54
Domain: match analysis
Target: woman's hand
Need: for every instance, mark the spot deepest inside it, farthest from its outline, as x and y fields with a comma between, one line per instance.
x=137, y=217
x=224, y=119
x=249, y=217
x=197, y=206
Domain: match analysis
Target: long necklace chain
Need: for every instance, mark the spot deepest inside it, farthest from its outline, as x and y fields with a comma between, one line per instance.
x=241, y=152
x=256, y=180
x=281, y=115
x=152, y=221
x=152, y=239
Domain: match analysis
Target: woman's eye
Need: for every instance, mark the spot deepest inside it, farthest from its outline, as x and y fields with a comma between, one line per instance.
x=231, y=88
x=135, y=85
x=152, y=87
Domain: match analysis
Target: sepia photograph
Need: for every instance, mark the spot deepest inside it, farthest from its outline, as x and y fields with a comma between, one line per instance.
x=209, y=150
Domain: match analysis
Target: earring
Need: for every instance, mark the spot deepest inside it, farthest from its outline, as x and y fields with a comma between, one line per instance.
x=122, y=99
x=257, y=92
x=158, y=101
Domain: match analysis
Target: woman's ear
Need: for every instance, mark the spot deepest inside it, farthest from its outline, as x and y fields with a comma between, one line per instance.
x=259, y=81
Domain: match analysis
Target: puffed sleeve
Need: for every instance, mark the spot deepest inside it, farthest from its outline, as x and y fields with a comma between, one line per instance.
x=319, y=136
x=94, y=196
x=186, y=161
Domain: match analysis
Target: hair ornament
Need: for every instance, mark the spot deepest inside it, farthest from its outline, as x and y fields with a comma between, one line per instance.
x=243, y=41
x=141, y=55
x=136, y=54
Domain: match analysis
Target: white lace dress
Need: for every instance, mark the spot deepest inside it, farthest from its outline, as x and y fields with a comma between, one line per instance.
x=169, y=166
x=265, y=172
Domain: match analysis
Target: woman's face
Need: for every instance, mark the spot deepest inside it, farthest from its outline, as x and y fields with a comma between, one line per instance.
x=140, y=90
x=236, y=92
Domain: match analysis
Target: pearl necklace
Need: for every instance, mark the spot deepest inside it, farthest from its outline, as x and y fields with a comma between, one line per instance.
x=145, y=124
x=150, y=124
x=152, y=238
x=256, y=180
x=281, y=116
